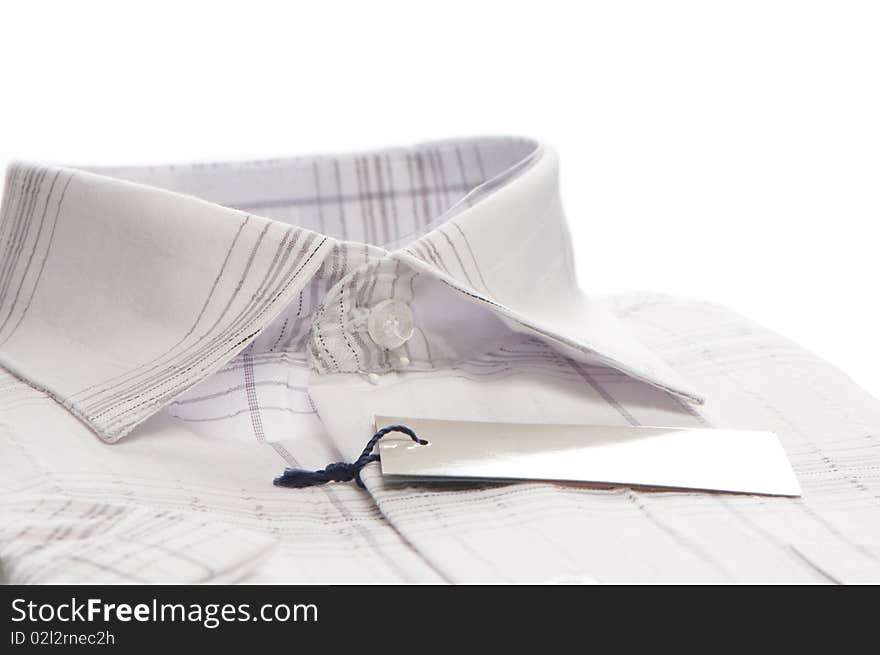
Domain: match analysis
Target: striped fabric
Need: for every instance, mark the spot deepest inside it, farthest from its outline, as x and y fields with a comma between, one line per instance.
x=214, y=320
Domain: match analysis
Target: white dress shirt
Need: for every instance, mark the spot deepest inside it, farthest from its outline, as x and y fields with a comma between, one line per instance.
x=219, y=322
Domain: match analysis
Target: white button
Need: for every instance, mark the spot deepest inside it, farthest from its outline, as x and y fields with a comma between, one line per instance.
x=390, y=323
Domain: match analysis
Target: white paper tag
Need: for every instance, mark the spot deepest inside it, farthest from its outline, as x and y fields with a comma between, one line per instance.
x=744, y=461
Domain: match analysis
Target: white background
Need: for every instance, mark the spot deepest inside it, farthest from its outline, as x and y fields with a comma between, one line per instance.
x=724, y=151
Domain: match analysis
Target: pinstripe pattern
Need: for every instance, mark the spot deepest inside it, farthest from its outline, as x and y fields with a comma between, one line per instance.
x=13, y=308
x=213, y=346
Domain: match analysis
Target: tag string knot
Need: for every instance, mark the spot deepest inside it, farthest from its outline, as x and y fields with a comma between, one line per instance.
x=342, y=471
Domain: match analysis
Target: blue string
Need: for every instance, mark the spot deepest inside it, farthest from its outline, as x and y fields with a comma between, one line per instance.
x=342, y=471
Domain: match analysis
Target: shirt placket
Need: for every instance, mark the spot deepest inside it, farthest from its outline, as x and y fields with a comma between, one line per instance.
x=366, y=322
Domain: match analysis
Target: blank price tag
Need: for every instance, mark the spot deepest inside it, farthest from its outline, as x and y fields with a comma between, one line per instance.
x=744, y=461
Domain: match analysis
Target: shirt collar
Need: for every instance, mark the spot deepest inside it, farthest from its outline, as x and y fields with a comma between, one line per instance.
x=121, y=288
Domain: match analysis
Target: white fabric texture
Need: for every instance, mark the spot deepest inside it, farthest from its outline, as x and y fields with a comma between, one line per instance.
x=211, y=322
